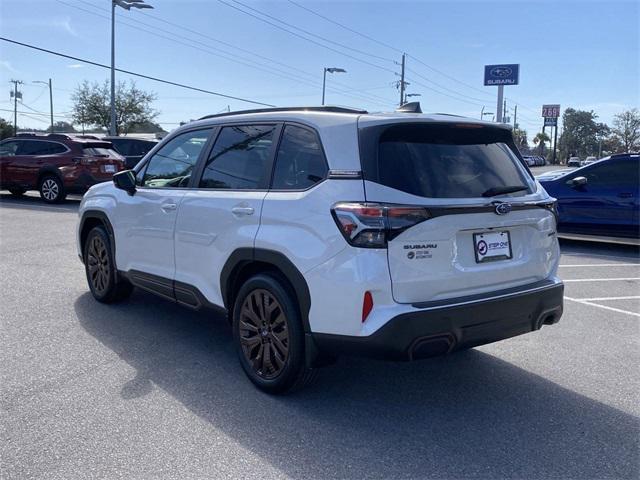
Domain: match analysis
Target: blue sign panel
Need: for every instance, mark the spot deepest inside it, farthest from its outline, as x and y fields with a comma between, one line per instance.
x=501, y=74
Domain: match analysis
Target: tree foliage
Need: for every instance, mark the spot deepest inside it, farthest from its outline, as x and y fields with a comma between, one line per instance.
x=540, y=139
x=62, y=127
x=6, y=129
x=581, y=135
x=626, y=130
x=91, y=105
x=520, y=139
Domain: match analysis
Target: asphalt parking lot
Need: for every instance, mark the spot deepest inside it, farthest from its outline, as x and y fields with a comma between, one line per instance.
x=147, y=389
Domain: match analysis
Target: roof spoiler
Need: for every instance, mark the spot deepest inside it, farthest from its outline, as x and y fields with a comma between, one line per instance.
x=411, y=107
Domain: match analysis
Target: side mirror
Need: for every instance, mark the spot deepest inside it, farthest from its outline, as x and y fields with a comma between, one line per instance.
x=577, y=182
x=125, y=180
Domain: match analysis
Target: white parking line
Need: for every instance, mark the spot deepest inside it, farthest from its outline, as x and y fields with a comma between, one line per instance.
x=588, y=255
x=600, y=279
x=584, y=302
x=602, y=265
x=607, y=298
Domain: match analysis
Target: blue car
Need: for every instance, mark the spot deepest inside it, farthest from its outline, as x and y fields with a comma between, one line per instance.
x=601, y=199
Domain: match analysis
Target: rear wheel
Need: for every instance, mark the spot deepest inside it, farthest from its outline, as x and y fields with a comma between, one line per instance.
x=269, y=337
x=17, y=192
x=52, y=189
x=99, y=266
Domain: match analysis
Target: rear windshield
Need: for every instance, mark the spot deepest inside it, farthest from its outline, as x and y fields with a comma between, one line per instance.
x=99, y=151
x=442, y=161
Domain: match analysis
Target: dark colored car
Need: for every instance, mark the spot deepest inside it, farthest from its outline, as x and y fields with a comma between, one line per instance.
x=56, y=164
x=600, y=199
x=133, y=149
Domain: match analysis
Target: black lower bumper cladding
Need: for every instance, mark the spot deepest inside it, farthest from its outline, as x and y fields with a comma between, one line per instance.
x=438, y=329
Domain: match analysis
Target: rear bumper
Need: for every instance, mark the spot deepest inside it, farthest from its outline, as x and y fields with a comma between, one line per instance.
x=83, y=182
x=437, y=328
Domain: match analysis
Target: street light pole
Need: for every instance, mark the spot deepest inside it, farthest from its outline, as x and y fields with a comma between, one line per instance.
x=324, y=83
x=126, y=4
x=324, y=77
x=112, y=128
x=50, y=99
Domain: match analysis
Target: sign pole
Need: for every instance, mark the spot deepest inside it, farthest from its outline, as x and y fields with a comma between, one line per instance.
x=555, y=142
x=499, y=106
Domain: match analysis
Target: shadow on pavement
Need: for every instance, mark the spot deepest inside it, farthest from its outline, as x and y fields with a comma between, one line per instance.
x=586, y=248
x=33, y=202
x=467, y=415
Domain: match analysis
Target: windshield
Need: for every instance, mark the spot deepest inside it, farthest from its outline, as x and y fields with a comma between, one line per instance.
x=439, y=161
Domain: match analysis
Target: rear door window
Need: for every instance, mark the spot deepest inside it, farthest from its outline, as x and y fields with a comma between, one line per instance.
x=300, y=163
x=441, y=161
x=40, y=147
x=240, y=158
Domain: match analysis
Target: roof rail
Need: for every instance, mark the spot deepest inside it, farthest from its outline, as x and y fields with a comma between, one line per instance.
x=289, y=109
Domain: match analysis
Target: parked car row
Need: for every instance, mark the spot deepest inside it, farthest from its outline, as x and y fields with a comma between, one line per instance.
x=535, y=160
x=59, y=164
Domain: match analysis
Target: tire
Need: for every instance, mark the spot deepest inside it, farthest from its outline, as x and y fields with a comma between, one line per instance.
x=17, y=192
x=51, y=189
x=102, y=276
x=268, y=334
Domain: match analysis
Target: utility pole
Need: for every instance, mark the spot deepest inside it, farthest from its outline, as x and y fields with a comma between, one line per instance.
x=515, y=116
x=51, y=103
x=504, y=112
x=16, y=94
x=402, y=82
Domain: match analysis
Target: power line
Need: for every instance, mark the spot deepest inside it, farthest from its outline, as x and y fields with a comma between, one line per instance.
x=342, y=45
x=128, y=72
x=443, y=87
x=306, y=38
x=233, y=58
x=345, y=27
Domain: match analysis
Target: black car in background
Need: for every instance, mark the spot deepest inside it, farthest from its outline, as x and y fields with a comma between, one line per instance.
x=133, y=149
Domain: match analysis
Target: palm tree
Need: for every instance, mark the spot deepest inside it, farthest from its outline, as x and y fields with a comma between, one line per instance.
x=541, y=138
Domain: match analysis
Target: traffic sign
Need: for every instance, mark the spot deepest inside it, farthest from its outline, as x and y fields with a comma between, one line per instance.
x=550, y=121
x=501, y=74
x=551, y=111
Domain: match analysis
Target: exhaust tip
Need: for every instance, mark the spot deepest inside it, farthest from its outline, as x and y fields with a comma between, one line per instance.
x=432, y=346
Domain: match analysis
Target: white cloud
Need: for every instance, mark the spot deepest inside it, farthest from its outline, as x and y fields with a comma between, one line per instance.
x=6, y=65
x=75, y=65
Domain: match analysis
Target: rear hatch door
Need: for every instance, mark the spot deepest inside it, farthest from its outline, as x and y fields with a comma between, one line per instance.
x=489, y=226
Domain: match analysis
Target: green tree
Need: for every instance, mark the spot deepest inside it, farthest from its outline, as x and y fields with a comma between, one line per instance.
x=91, y=105
x=6, y=129
x=540, y=139
x=581, y=134
x=520, y=139
x=626, y=130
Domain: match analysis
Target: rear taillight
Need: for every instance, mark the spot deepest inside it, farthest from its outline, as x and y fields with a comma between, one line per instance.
x=372, y=225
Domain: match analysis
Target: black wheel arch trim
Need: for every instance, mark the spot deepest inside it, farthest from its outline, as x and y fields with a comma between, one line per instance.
x=100, y=215
x=243, y=257
x=49, y=170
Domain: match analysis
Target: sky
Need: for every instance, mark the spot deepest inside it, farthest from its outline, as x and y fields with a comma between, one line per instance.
x=580, y=54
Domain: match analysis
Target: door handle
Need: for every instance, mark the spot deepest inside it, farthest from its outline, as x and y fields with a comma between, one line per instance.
x=240, y=211
x=168, y=207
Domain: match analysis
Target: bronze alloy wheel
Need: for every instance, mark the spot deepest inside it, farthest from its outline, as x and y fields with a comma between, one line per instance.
x=98, y=265
x=264, y=333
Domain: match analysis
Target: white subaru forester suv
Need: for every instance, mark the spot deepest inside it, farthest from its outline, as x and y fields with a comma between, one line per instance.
x=323, y=231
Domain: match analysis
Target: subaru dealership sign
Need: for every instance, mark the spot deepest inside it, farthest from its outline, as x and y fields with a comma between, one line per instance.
x=501, y=74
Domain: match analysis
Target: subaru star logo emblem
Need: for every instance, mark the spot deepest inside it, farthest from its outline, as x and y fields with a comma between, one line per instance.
x=501, y=72
x=503, y=208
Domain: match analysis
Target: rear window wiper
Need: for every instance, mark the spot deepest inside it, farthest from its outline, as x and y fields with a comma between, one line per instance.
x=493, y=191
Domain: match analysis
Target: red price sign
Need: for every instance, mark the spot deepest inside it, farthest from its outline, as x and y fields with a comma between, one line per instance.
x=551, y=111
